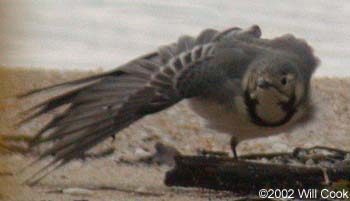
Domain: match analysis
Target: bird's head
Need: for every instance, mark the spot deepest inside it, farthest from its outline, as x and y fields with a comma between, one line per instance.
x=274, y=87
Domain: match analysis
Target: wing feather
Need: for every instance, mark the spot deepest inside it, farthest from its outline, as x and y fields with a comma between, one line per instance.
x=107, y=103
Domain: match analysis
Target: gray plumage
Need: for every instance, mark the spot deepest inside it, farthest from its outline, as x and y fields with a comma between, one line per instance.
x=243, y=85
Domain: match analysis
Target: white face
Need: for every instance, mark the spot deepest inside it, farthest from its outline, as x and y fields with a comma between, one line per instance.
x=268, y=107
x=272, y=94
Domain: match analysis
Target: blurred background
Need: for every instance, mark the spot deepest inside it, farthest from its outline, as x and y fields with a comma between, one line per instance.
x=104, y=34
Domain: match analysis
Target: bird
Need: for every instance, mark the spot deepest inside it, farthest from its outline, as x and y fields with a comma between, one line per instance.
x=241, y=84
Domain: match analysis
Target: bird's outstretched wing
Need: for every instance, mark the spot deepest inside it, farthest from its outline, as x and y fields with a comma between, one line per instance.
x=104, y=104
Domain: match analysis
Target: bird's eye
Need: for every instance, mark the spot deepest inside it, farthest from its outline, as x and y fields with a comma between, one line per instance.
x=284, y=80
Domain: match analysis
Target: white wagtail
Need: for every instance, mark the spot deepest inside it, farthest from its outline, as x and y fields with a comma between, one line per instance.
x=241, y=84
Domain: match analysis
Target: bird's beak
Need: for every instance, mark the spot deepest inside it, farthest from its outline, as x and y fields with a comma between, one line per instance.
x=263, y=84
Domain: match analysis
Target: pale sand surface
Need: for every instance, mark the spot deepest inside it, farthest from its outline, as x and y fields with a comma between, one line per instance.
x=177, y=126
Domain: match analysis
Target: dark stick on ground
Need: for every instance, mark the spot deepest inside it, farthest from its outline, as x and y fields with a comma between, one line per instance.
x=303, y=169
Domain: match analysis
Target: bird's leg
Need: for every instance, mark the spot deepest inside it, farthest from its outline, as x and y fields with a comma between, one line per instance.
x=234, y=143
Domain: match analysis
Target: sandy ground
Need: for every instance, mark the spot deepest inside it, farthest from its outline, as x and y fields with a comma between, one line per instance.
x=109, y=179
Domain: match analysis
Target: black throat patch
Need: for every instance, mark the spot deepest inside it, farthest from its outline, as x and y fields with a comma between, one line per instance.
x=288, y=107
